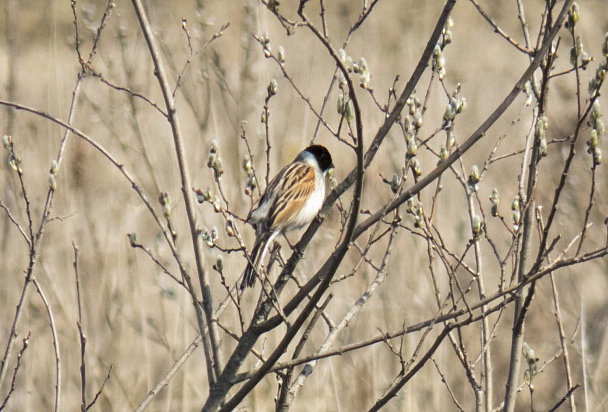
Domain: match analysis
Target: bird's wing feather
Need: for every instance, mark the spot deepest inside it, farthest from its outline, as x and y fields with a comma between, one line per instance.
x=297, y=185
x=260, y=212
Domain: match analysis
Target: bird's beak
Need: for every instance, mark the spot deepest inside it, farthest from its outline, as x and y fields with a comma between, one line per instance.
x=330, y=173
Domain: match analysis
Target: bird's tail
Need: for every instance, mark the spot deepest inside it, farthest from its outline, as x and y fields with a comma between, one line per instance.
x=253, y=264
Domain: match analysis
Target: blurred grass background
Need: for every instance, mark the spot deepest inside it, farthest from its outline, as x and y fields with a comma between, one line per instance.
x=138, y=320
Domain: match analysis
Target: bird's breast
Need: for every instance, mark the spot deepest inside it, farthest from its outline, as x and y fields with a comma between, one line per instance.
x=310, y=209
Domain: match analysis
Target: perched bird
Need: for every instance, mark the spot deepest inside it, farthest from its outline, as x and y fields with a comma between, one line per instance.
x=291, y=201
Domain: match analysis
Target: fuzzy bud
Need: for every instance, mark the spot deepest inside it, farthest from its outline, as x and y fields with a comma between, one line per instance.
x=165, y=201
x=599, y=126
x=573, y=16
x=477, y=228
x=7, y=141
x=362, y=64
x=207, y=238
x=495, y=197
x=462, y=105
x=596, y=111
x=349, y=112
x=515, y=204
x=528, y=92
x=449, y=115
x=411, y=105
x=416, y=168
x=340, y=105
x=341, y=78
x=409, y=205
x=412, y=147
x=438, y=59
x=578, y=46
x=364, y=80
x=211, y=160
x=273, y=88
x=200, y=196
x=395, y=183
x=419, y=217
x=15, y=163
x=218, y=168
x=52, y=182
x=542, y=124
x=418, y=119
x=247, y=166
x=408, y=122
x=516, y=219
x=213, y=154
x=447, y=37
x=593, y=140
x=597, y=156
x=592, y=86
x=208, y=195
x=219, y=264
x=54, y=166
x=451, y=139
x=474, y=177
x=230, y=227
x=542, y=147
x=267, y=50
x=444, y=153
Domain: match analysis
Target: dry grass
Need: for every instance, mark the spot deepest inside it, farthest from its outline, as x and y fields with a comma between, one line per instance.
x=138, y=320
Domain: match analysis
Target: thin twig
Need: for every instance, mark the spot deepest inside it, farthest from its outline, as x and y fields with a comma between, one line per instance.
x=567, y=396
x=90, y=405
x=498, y=30
x=55, y=344
x=83, y=339
x=17, y=225
x=212, y=342
x=449, y=388
x=16, y=370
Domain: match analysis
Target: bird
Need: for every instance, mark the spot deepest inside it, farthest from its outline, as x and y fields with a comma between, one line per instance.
x=291, y=201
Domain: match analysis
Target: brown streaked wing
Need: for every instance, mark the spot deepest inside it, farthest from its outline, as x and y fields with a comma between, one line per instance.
x=271, y=189
x=297, y=186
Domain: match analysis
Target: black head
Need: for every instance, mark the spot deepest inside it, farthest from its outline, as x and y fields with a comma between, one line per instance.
x=322, y=156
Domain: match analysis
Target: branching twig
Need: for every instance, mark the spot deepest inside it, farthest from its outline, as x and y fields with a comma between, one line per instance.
x=100, y=388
